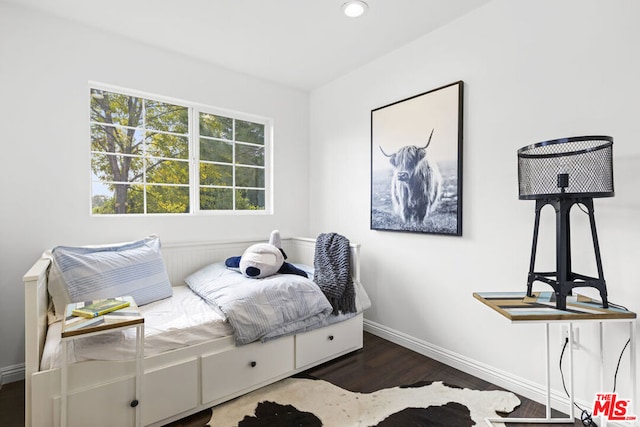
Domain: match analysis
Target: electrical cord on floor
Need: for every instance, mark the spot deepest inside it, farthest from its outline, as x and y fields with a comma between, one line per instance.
x=585, y=416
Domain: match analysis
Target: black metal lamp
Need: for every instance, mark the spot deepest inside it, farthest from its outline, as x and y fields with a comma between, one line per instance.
x=562, y=173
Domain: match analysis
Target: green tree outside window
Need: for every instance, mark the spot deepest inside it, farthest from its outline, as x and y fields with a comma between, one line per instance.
x=141, y=163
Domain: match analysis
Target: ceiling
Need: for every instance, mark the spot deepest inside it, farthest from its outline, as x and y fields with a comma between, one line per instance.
x=298, y=43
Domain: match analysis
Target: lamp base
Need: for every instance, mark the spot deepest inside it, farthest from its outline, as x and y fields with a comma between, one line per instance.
x=563, y=289
x=563, y=280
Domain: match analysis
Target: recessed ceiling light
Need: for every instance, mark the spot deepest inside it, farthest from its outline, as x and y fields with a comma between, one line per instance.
x=354, y=8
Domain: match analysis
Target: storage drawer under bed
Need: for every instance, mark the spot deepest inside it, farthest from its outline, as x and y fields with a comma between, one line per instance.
x=319, y=345
x=236, y=369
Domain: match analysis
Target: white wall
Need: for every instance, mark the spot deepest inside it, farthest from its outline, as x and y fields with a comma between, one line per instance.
x=533, y=71
x=45, y=65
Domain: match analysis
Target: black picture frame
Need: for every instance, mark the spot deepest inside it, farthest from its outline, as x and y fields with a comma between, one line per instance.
x=413, y=141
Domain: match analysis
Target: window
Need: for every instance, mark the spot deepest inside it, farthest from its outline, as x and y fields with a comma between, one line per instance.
x=232, y=167
x=151, y=156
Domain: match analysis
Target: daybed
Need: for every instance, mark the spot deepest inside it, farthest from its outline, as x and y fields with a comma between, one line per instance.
x=180, y=381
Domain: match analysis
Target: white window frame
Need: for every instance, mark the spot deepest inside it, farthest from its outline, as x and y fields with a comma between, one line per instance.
x=194, y=110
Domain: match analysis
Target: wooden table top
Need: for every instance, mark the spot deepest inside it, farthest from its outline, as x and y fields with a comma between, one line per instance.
x=516, y=306
x=73, y=326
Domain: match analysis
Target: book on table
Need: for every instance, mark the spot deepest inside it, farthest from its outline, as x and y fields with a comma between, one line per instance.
x=100, y=307
x=127, y=316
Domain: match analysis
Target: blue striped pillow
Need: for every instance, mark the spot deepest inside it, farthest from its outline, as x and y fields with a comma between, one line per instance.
x=88, y=273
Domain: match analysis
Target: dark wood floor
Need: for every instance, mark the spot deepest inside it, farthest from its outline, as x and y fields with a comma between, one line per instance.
x=12, y=404
x=379, y=364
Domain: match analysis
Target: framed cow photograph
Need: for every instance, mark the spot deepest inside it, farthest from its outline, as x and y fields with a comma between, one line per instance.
x=416, y=163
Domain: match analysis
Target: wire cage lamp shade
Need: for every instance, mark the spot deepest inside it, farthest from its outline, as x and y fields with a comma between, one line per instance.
x=580, y=166
x=562, y=173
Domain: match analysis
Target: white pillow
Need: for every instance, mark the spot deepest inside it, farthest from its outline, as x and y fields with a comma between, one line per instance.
x=91, y=272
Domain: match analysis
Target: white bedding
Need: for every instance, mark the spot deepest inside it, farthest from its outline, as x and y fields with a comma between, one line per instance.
x=182, y=320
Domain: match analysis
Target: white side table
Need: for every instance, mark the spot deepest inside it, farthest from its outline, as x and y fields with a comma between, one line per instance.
x=79, y=327
x=521, y=309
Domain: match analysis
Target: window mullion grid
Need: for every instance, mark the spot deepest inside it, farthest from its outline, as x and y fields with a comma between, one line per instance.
x=193, y=140
x=194, y=160
x=144, y=156
x=233, y=164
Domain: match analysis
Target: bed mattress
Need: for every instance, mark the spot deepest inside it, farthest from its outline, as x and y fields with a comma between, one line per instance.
x=184, y=319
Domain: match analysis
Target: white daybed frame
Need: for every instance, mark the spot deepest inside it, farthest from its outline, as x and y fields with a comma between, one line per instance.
x=179, y=382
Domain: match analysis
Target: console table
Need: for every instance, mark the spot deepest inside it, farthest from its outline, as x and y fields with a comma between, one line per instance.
x=519, y=308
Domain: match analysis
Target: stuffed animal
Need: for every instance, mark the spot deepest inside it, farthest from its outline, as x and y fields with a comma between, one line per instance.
x=263, y=260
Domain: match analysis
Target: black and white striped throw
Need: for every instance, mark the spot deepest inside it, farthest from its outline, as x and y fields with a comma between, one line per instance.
x=332, y=264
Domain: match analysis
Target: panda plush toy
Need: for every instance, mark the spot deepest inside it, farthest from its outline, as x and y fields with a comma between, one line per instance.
x=264, y=260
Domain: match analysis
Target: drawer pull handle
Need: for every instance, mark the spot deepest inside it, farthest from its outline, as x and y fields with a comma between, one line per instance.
x=253, y=364
x=134, y=403
x=330, y=337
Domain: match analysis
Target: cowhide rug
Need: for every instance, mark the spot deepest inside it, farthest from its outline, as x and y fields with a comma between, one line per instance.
x=309, y=402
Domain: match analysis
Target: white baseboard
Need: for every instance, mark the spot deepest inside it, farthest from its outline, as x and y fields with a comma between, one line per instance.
x=506, y=380
x=10, y=374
